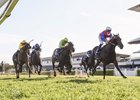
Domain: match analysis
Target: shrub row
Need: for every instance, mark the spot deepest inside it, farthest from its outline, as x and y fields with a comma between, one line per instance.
x=138, y=72
x=108, y=72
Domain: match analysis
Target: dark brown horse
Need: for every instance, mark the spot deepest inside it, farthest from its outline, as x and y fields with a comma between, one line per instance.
x=88, y=62
x=36, y=60
x=21, y=57
x=64, y=59
x=108, y=54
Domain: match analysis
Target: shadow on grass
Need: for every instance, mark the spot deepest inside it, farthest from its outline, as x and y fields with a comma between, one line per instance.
x=27, y=79
x=85, y=81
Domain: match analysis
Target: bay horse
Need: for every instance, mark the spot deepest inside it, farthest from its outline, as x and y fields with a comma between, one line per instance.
x=64, y=58
x=35, y=60
x=108, y=54
x=22, y=57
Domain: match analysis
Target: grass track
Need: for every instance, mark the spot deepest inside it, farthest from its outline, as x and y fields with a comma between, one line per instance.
x=69, y=88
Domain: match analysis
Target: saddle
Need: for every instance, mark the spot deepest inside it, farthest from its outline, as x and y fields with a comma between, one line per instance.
x=57, y=53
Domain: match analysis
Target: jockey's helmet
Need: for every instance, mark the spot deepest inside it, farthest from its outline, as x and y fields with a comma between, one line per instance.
x=108, y=28
x=36, y=45
x=66, y=39
x=23, y=41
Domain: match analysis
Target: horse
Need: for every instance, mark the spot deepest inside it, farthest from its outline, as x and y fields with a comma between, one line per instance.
x=88, y=62
x=64, y=58
x=22, y=57
x=35, y=60
x=107, y=54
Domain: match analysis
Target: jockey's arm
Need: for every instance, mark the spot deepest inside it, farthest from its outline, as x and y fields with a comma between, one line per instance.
x=102, y=36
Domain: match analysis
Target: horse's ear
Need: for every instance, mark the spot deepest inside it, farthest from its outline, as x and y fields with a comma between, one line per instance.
x=118, y=34
x=41, y=43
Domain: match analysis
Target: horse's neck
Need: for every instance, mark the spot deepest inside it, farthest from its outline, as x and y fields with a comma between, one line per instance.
x=110, y=47
x=24, y=51
x=66, y=52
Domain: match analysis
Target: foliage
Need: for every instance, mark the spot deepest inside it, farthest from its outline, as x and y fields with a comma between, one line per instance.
x=69, y=88
x=138, y=72
x=108, y=72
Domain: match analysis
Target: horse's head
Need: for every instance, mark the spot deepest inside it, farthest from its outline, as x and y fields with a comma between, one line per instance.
x=27, y=46
x=117, y=41
x=70, y=46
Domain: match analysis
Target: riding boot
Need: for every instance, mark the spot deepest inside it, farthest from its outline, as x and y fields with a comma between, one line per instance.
x=97, y=55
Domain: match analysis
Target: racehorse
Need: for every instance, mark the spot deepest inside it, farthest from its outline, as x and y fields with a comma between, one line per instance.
x=35, y=60
x=64, y=58
x=22, y=57
x=108, y=54
x=88, y=62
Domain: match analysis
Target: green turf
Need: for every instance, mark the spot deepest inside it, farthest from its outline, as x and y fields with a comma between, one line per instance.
x=69, y=88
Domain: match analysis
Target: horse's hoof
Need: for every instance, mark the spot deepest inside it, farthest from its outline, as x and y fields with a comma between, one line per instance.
x=17, y=77
x=124, y=77
x=68, y=73
x=88, y=75
x=55, y=75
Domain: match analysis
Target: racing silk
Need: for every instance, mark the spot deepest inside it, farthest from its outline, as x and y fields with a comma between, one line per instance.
x=36, y=47
x=62, y=43
x=105, y=34
x=21, y=45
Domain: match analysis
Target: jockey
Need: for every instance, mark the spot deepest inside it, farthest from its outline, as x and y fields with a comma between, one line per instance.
x=36, y=47
x=22, y=44
x=103, y=37
x=62, y=44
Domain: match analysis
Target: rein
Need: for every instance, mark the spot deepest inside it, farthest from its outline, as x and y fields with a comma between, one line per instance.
x=112, y=44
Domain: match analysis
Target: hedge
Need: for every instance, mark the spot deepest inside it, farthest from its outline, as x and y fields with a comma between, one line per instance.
x=138, y=72
x=108, y=72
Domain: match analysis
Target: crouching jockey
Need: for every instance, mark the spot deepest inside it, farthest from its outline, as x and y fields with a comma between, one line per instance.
x=103, y=37
x=89, y=53
x=21, y=45
x=36, y=47
x=62, y=44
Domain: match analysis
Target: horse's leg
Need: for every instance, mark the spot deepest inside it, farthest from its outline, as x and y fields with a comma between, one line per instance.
x=86, y=68
x=104, y=72
x=37, y=69
x=69, y=67
x=62, y=68
x=29, y=70
x=40, y=68
x=94, y=68
x=116, y=65
x=28, y=65
x=16, y=70
x=54, y=68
